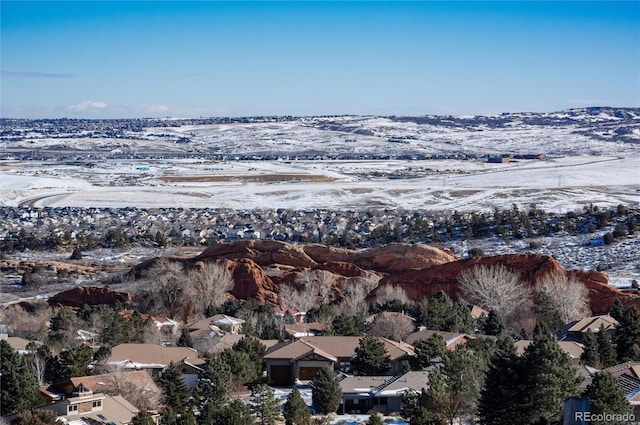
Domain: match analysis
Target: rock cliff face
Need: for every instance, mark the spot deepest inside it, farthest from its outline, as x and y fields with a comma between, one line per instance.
x=259, y=268
x=426, y=282
x=90, y=295
x=385, y=259
x=420, y=270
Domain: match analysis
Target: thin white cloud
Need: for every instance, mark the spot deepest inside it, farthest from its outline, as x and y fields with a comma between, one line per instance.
x=31, y=74
x=88, y=105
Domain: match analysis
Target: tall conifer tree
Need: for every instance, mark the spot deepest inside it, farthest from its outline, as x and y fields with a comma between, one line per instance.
x=326, y=393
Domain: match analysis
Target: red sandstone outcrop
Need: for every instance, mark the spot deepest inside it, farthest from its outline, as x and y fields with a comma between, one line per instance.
x=428, y=281
x=259, y=268
x=90, y=295
x=385, y=259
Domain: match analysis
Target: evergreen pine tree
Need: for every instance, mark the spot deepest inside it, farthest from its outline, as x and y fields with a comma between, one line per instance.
x=185, y=339
x=176, y=393
x=607, y=397
x=348, y=325
x=550, y=378
x=464, y=377
x=214, y=384
x=235, y=412
x=142, y=418
x=434, y=403
x=326, y=393
x=546, y=311
x=627, y=337
x=295, y=409
x=606, y=350
x=255, y=349
x=617, y=310
x=19, y=385
x=375, y=419
x=502, y=398
x=371, y=357
x=76, y=361
x=427, y=350
x=591, y=354
x=243, y=370
x=492, y=324
x=439, y=312
x=461, y=318
x=264, y=405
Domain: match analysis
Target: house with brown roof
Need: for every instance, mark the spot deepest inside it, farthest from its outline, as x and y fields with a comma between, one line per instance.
x=105, y=383
x=155, y=358
x=575, y=331
x=217, y=325
x=451, y=339
x=628, y=377
x=84, y=407
x=301, y=360
x=572, y=348
x=19, y=344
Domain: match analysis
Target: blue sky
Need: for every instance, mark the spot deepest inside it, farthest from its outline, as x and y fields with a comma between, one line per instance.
x=158, y=58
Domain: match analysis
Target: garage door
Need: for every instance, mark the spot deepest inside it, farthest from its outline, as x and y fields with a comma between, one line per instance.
x=281, y=375
x=308, y=373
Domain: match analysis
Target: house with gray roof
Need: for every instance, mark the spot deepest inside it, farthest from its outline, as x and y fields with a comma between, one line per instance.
x=361, y=394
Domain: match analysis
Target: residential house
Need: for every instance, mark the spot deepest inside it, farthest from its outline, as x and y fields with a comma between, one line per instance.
x=628, y=377
x=165, y=325
x=299, y=330
x=105, y=383
x=575, y=331
x=298, y=315
x=572, y=348
x=155, y=358
x=301, y=360
x=219, y=325
x=84, y=407
x=361, y=394
x=452, y=339
x=19, y=344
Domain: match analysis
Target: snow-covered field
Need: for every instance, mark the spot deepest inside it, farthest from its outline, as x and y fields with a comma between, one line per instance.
x=558, y=184
x=592, y=157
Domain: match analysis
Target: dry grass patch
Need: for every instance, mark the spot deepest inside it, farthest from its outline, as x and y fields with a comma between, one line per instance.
x=259, y=178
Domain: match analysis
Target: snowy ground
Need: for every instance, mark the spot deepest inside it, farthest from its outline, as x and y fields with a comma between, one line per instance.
x=586, y=164
x=559, y=184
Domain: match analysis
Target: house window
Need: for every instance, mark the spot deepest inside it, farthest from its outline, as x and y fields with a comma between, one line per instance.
x=97, y=403
x=72, y=408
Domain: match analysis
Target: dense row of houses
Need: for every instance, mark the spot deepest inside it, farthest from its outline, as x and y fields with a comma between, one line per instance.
x=196, y=225
x=294, y=362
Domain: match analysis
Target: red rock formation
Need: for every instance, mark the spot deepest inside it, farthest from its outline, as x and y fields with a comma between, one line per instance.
x=259, y=268
x=251, y=281
x=384, y=259
x=426, y=282
x=90, y=295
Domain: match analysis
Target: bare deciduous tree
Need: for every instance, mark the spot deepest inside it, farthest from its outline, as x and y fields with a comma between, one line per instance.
x=390, y=293
x=395, y=326
x=121, y=382
x=211, y=283
x=355, y=293
x=497, y=289
x=312, y=287
x=569, y=295
x=17, y=322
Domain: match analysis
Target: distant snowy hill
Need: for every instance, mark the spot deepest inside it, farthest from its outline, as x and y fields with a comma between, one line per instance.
x=594, y=130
